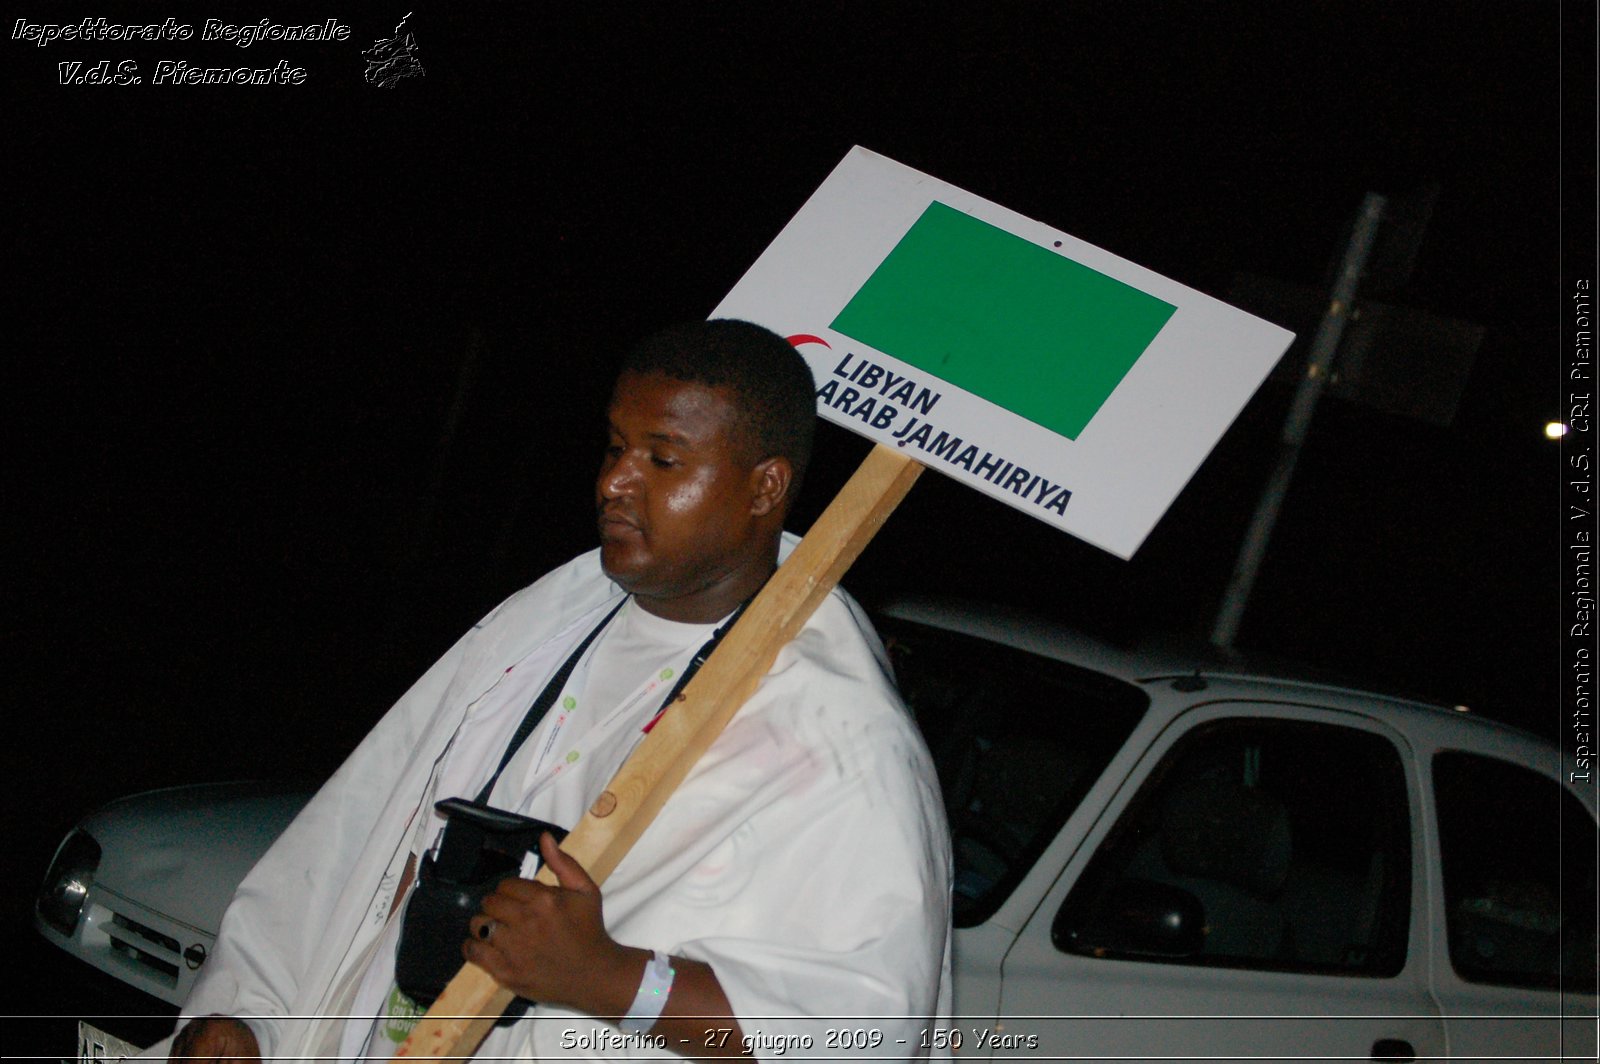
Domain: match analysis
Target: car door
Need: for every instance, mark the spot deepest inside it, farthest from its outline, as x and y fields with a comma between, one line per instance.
x=1515, y=971
x=1254, y=889
x=1028, y=749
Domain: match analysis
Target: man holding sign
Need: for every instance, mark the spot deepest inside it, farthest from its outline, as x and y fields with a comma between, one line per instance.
x=797, y=878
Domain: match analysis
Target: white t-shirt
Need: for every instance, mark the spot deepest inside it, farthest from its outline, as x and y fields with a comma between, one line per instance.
x=804, y=857
x=613, y=695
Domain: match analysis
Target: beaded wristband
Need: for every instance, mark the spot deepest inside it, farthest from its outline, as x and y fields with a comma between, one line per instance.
x=654, y=987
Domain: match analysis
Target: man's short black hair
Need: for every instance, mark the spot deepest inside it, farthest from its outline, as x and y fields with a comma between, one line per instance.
x=770, y=380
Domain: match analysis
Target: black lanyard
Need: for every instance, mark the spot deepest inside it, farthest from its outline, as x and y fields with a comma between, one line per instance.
x=546, y=699
x=552, y=690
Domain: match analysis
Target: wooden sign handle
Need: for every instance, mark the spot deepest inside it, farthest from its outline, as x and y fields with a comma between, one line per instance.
x=464, y=1013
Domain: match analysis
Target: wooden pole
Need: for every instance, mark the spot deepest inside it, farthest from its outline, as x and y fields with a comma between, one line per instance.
x=464, y=1013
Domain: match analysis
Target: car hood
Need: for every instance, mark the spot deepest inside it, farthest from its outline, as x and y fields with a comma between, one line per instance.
x=182, y=851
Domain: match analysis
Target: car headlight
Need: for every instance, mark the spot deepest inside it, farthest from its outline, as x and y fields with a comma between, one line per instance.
x=67, y=883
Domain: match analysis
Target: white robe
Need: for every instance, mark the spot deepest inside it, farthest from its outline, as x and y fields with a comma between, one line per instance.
x=805, y=858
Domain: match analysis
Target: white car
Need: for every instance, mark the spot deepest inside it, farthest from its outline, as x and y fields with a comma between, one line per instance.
x=137, y=889
x=1155, y=858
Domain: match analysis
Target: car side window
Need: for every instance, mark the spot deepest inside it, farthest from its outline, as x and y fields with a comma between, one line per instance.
x=1017, y=740
x=1519, y=874
x=1256, y=843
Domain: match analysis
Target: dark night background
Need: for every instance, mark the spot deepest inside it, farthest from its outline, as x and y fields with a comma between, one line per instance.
x=303, y=379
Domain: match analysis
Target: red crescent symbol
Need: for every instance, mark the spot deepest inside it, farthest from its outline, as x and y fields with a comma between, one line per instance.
x=807, y=338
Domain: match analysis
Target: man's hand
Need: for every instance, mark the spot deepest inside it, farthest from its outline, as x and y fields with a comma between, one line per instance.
x=220, y=1038
x=550, y=944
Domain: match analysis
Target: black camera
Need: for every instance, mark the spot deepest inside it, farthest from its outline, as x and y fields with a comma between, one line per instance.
x=481, y=846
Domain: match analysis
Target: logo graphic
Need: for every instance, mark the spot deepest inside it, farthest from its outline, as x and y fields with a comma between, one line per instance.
x=393, y=58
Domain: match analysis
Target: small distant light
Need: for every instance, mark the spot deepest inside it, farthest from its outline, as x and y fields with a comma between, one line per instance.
x=1554, y=430
x=1463, y=709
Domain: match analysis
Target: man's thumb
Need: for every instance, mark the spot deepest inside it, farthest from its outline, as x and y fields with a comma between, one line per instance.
x=569, y=873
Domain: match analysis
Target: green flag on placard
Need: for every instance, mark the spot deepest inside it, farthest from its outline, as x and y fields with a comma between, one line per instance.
x=1020, y=325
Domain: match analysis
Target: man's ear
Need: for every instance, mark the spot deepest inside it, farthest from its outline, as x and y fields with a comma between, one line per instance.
x=769, y=481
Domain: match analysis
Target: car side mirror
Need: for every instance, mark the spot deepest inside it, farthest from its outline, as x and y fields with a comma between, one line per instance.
x=1136, y=918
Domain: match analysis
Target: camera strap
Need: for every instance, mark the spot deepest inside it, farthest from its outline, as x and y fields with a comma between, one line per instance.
x=698, y=660
x=546, y=699
x=552, y=690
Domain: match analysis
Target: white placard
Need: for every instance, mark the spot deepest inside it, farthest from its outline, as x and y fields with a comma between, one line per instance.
x=1114, y=478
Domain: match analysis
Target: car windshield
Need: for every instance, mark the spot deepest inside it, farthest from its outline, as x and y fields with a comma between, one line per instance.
x=1017, y=739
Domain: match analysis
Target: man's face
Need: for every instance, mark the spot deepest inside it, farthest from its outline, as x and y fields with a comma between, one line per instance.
x=685, y=509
